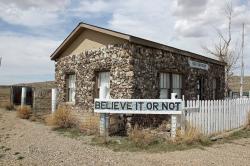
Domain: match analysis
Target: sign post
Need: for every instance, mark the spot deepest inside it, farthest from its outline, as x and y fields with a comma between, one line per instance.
x=173, y=119
x=104, y=118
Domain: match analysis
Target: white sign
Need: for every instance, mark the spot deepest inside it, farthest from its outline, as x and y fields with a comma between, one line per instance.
x=198, y=65
x=138, y=106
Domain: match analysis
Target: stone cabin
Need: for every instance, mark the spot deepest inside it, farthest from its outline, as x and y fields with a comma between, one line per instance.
x=131, y=67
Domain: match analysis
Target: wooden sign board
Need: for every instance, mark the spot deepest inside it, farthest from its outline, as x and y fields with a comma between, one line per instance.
x=138, y=106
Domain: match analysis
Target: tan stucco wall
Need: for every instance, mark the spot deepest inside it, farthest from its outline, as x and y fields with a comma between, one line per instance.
x=89, y=39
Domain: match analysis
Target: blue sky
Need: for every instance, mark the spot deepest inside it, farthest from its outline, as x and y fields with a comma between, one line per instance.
x=30, y=30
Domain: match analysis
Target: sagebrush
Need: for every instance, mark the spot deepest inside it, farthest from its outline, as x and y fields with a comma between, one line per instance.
x=62, y=118
x=142, y=137
x=24, y=112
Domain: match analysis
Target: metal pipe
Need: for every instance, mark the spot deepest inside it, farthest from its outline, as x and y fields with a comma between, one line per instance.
x=53, y=99
x=23, y=96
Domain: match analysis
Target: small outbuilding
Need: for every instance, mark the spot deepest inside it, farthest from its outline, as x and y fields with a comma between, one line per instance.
x=131, y=67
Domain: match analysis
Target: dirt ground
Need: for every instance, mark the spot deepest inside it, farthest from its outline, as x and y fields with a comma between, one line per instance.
x=30, y=143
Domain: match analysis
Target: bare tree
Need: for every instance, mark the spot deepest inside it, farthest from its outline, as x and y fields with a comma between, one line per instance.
x=224, y=49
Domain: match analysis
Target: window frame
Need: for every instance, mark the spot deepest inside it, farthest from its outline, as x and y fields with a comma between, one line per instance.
x=201, y=90
x=97, y=82
x=70, y=89
x=171, y=87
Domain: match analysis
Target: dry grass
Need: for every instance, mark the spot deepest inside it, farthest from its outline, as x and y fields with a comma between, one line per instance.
x=88, y=123
x=142, y=137
x=32, y=118
x=62, y=118
x=191, y=136
x=9, y=106
x=24, y=112
x=248, y=120
x=65, y=118
x=89, y=129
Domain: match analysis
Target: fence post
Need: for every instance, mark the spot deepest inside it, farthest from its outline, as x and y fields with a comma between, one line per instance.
x=183, y=116
x=53, y=99
x=23, y=96
x=173, y=120
x=104, y=118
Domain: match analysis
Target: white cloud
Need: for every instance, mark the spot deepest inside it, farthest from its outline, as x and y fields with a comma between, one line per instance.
x=189, y=7
x=185, y=24
x=25, y=55
x=148, y=19
x=97, y=6
x=194, y=20
x=32, y=13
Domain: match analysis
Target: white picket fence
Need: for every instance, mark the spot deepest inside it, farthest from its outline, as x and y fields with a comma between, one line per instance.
x=216, y=116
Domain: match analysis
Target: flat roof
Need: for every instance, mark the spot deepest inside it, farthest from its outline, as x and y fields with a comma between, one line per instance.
x=129, y=38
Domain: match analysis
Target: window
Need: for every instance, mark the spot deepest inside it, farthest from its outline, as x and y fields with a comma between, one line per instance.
x=177, y=84
x=200, y=88
x=170, y=83
x=164, y=85
x=71, y=81
x=102, y=79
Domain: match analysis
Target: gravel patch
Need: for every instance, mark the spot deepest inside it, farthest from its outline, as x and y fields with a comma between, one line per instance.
x=30, y=143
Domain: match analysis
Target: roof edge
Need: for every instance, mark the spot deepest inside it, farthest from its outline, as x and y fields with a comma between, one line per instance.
x=160, y=46
x=132, y=39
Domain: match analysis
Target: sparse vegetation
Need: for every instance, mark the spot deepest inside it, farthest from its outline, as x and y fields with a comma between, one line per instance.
x=89, y=128
x=142, y=137
x=248, y=121
x=9, y=106
x=69, y=132
x=150, y=140
x=245, y=133
x=191, y=136
x=32, y=118
x=62, y=118
x=24, y=112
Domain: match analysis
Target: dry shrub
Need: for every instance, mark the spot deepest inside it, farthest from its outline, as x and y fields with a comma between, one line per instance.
x=24, y=112
x=32, y=118
x=62, y=118
x=89, y=129
x=142, y=137
x=191, y=136
x=89, y=125
x=49, y=120
x=248, y=120
x=8, y=106
x=165, y=126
